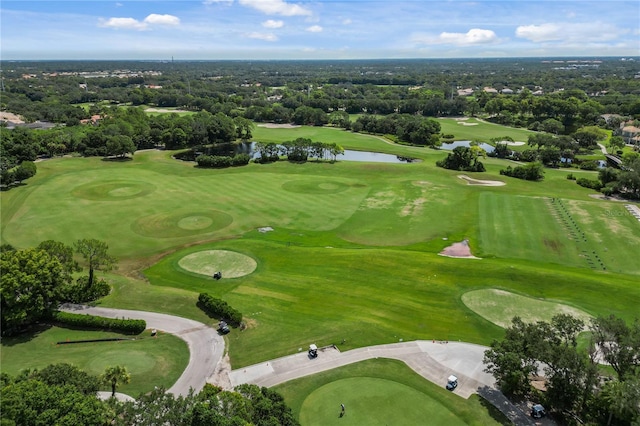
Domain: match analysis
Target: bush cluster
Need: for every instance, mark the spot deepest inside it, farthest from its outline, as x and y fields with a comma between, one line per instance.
x=222, y=161
x=589, y=183
x=219, y=308
x=532, y=171
x=81, y=292
x=128, y=326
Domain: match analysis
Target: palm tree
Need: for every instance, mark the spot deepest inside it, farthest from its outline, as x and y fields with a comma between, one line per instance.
x=114, y=376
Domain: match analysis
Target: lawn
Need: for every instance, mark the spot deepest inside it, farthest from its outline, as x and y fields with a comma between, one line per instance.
x=479, y=130
x=380, y=392
x=151, y=361
x=353, y=254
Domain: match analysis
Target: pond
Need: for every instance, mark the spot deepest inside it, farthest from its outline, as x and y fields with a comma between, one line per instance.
x=349, y=155
x=452, y=145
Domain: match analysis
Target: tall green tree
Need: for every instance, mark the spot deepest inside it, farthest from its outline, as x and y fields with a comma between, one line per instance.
x=31, y=288
x=95, y=255
x=114, y=376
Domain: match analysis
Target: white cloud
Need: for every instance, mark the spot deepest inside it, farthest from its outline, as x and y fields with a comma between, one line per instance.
x=276, y=7
x=315, y=29
x=472, y=37
x=567, y=32
x=208, y=2
x=122, y=23
x=346, y=21
x=263, y=36
x=134, y=24
x=118, y=4
x=155, y=19
x=270, y=23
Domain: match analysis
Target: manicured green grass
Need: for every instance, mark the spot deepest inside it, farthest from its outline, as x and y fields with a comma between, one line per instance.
x=151, y=361
x=380, y=392
x=480, y=130
x=499, y=307
x=208, y=262
x=353, y=254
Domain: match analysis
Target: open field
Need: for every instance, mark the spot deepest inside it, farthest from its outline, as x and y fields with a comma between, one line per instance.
x=150, y=361
x=480, y=130
x=353, y=251
x=379, y=392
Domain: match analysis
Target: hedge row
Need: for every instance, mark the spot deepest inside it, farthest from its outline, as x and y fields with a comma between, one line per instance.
x=219, y=308
x=219, y=161
x=128, y=326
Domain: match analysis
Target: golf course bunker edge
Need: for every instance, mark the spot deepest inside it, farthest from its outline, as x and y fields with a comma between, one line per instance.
x=230, y=264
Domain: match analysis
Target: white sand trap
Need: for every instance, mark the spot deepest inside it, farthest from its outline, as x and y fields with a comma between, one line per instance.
x=164, y=110
x=472, y=181
x=278, y=126
x=467, y=124
x=9, y=116
x=514, y=143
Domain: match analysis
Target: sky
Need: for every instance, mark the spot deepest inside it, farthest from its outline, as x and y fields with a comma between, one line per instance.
x=321, y=29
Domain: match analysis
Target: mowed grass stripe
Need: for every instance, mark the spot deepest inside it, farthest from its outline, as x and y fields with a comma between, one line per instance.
x=523, y=227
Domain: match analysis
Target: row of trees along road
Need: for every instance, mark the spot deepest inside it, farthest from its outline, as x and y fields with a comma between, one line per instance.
x=36, y=281
x=577, y=385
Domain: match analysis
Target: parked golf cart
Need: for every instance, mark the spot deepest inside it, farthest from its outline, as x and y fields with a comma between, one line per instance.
x=223, y=328
x=538, y=411
x=313, y=351
x=452, y=382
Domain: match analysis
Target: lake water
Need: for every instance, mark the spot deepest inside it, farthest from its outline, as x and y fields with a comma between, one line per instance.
x=467, y=144
x=349, y=155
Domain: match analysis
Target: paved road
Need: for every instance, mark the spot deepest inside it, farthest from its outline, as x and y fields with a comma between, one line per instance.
x=206, y=347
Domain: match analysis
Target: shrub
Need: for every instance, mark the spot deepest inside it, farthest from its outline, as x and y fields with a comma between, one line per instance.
x=589, y=165
x=589, y=183
x=128, y=326
x=531, y=171
x=570, y=176
x=78, y=292
x=219, y=308
x=240, y=160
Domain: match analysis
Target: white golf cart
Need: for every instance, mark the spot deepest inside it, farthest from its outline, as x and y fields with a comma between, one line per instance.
x=313, y=351
x=452, y=382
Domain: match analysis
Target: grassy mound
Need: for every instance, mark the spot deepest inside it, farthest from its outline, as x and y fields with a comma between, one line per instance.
x=113, y=190
x=499, y=307
x=372, y=401
x=181, y=224
x=208, y=262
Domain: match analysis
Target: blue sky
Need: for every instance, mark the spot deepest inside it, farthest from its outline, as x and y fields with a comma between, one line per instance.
x=322, y=29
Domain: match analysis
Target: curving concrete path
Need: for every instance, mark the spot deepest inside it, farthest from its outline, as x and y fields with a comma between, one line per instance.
x=206, y=346
x=433, y=360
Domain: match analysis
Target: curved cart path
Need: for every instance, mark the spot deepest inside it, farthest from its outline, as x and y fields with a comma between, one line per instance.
x=206, y=346
x=433, y=360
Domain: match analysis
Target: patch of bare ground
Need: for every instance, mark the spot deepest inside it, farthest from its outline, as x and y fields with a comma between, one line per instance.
x=414, y=208
x=576, y=209
x=220, y=376
x=472, y=181
x=165, y=110
x=9, y=116
x=458, y=250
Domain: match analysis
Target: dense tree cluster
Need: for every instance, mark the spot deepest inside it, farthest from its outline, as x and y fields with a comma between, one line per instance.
x=298, y=150
x=573, y=380
x=36, y=280
x=62, y=394
x=464, y=159
x=531, y=171
x=413, y=129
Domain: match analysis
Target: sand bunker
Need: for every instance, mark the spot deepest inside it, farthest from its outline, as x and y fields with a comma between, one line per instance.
x=458, y=250
x=278, y=126
x=208, y=262
x=472, y=181
x=464, y=123
x=514, y=143
x=164, y=110
x=9, y=116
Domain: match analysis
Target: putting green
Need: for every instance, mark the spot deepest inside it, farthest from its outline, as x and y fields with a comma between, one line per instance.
x=232, y=264
x=499, y=307
x=138, y=362
x=181, y=224
x=373, y=401
x=315, y=186
x=113, y=190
